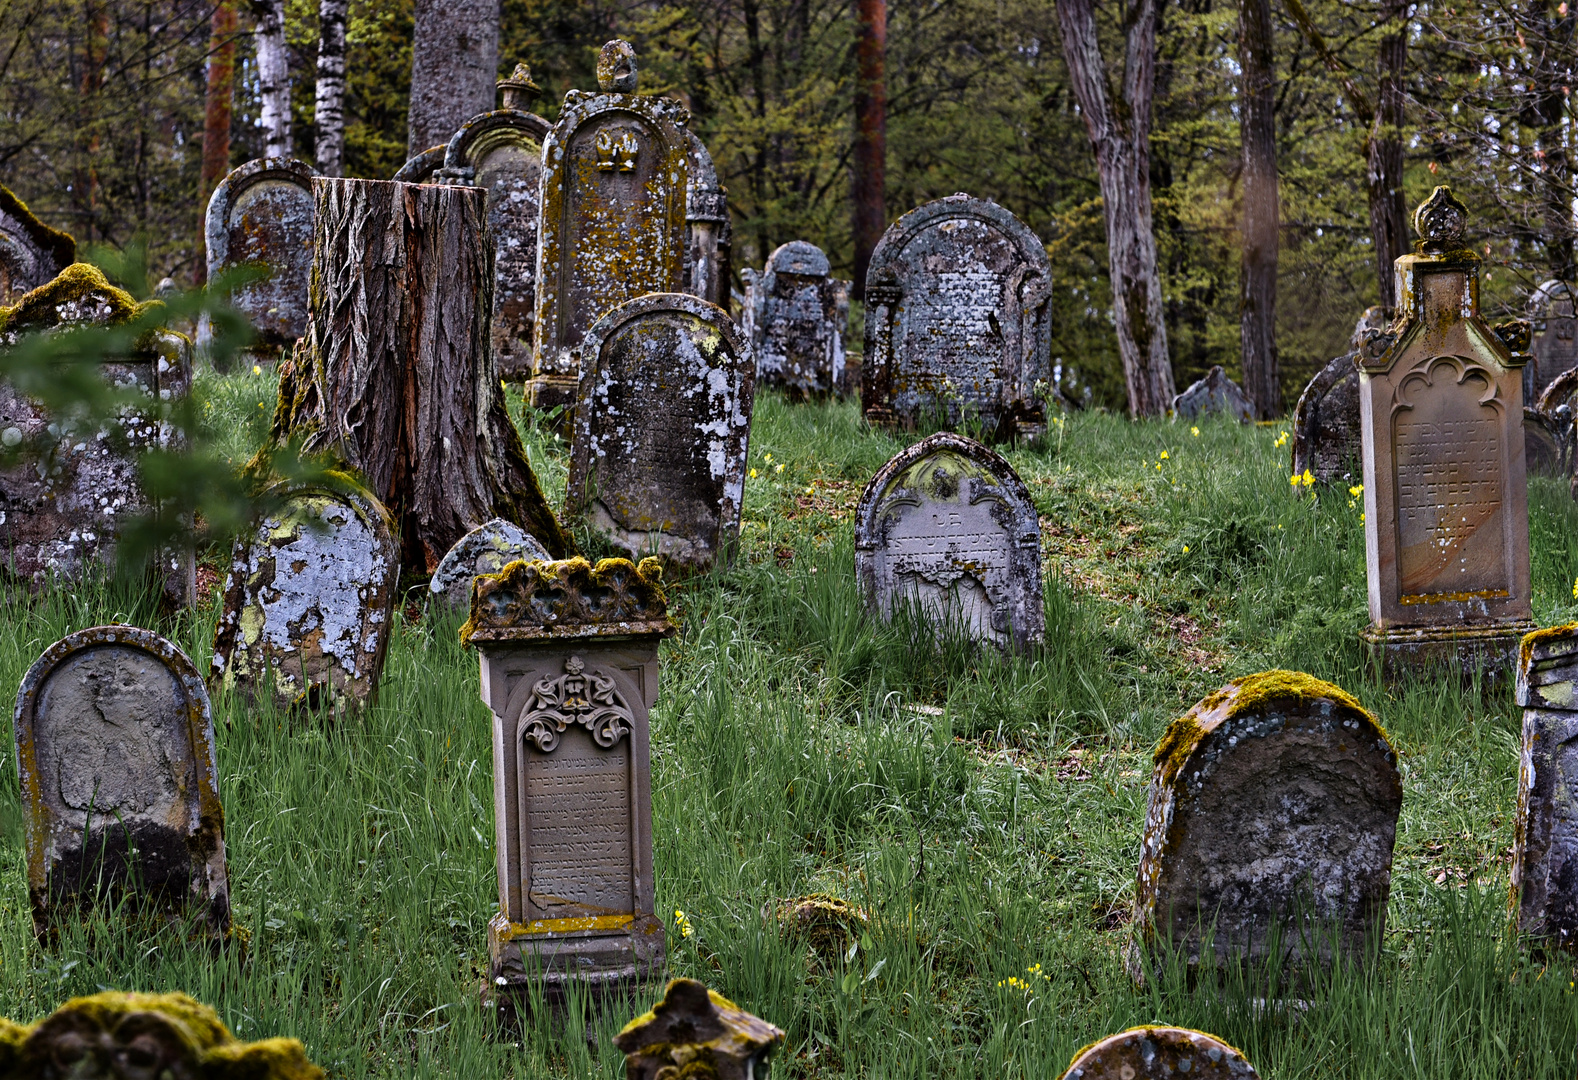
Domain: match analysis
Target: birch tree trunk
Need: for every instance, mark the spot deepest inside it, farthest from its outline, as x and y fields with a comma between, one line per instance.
x=871, y=134
x=1547, y=109
x=1258, y=265
x=454, y=68
x=1384, y=153
x=273, y=76
x=328, y=114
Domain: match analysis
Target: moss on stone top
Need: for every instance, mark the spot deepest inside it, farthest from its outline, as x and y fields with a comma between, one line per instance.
x=40, y=308
x=62, y=247
x=1540, y=636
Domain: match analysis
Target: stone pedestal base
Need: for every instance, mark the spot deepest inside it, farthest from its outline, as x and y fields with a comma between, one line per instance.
x=601, y=956
x=1490, y=652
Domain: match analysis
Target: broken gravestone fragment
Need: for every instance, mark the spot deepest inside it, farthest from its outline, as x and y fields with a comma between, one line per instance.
x=795, y=314
x=115, y=751
x=308, y=602
x=1545, y=835
x=948, y=527
x=487, y=549
x=1326, y=418
x=1213, y=395
x=697, y=1033
x=1160, y=1053
x=31, y=253
x=1273, y=811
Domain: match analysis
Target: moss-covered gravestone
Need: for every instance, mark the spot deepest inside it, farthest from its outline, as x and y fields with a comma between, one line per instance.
x=1273, y=810
x=1545, y=836
x=795, y=312
x=31, y=253
x=487, y=549
x=698, y=1034
x=1159, y=1053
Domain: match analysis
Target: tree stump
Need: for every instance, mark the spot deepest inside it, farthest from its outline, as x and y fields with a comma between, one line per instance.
x=396, y=374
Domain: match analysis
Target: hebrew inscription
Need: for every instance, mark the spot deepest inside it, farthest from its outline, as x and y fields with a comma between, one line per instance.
x=577, y=812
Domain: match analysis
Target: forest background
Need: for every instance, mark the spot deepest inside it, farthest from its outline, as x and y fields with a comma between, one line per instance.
x=102, y=112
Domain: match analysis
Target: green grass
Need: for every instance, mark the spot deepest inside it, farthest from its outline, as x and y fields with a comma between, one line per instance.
x=984, y=811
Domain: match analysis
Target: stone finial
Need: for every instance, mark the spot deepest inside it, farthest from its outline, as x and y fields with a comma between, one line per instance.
x=518, y=91
x=568, y=599
x=1441, y=221
x=697, y=1033
x=616, y=67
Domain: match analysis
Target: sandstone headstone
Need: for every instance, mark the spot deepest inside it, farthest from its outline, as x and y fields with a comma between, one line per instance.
x=1555, y=345
x=709, y=235
x=949, y=527
x=1326, y=418
x=1445, y=496
x=1273, y=810
x=661, y=429
x=115, y=751
x=487, y=549
x=570, y=672
x=795, y=314
x=694, y=1024
x=1160, y=1053
x=1545, y=835
x=1213, y=395
x=31, y=253
x=616, y=170
x=957, y=320
x=308, y=602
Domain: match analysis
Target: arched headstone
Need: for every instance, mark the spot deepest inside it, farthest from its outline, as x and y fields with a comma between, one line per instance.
x=1553, y=311
x=487, y=549
x=708, y=233
x=948, y=526
x=422, y=168
x=31, y=253
x=1159, y=1053
x=1326, y=418
x=795, y=314
x=1213, y=395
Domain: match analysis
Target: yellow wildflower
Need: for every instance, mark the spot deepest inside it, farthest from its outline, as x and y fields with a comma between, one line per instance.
x=753, y=474
x=1195, y=432
x=778, y=467
x=1356, y=490
x=256, y=370
x=1308, y=479
x=1164, y=455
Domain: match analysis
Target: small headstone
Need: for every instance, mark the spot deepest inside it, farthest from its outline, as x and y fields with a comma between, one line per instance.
x=1554, y=349
x=957, y=322
x=1214, y=395
x=115, y=751
x=31, y=253
x=795, y=314
x=949, y=527
x=487, y=549
x=709, y=235
x=1326, y=418
x=308, y=602
x=662, y=425
x=1273, y=810
x=1545, y=834
x=695, y=1025
x=1160, y=1053
x=570, y=672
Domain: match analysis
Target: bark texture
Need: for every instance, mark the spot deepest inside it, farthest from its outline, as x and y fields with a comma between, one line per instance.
x=273, y=76
x=454, y=68
x=1388, y=212
x=1547, y=114
x=871, y=133
x=328, y=115
x=217, y=103
x=1258, y=266
x=1120, y=132
x=396, y=374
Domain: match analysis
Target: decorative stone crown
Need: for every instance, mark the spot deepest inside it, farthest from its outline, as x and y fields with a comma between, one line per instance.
x=537, y=601
x=1441, y=221
x=518, y=91
x=616, y=67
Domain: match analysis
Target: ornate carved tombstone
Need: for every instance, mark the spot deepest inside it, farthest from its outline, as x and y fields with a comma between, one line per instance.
x=570, y=672
x=487, y=549
x=115, y=751
x=795, y=314
x=661, y=429
x=1213, y=395
x=956, y=319
x=1545, y=836
x=1159, y=1053
x=1273, y=810
x=949, y=527
x=1555, y=345
x=708, y=234
x=31, y=253
x=308, y=602
x=694, y=1024
x=1445, y=501
x=1326, y=418
x=616, y=169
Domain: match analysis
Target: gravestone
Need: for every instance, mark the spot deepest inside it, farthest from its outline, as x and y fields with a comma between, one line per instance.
x=1213, y=395
x=115, y=751
x=662, y=426
x=31, y=253
x=1545, y=833
x=1445, y=498
x=1272, y=815
x=795, y=314
x=1546, y=445
x=308, y=602
x=422, y=168
x=957, y=320
x=616, y=170
x=487, y=549
x=1326, y=418
x=708, y=233
x=694, y=1024
x=1554, y=350
x=949, y=527
x=570, y=672
x=1160, y=1053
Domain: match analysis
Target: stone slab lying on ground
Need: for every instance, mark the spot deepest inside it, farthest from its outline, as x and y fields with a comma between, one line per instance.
x=487, y=549
x=1160, y=1053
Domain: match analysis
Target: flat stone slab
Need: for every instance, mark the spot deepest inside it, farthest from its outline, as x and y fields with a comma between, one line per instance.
x=487, y=549
x=1160, y=1053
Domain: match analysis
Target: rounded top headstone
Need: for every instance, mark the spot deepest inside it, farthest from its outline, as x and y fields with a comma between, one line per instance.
x=1441, y=221
x=616, y=67
x=487, y=549
x=1144, y=1053
x=799, y=257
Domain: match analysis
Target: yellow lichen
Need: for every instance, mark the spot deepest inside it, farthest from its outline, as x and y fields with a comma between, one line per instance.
x=1548, y=633
x=37, y=308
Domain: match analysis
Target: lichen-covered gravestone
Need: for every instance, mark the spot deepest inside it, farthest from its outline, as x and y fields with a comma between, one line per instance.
x=1445, y=499
x=1273, y=810
x=616, y=170
x=1160, y=1053
x=1326, y=418
x=308, y=602
x=115, y=750
x=570, y=672
x=949, y=527
x=1213, y=395
x=487, y=549
x=661, y=429
x=1554, y=350
x=795, y=314
x=31, y=253
x=700, y=1032
x=1545, y=836
x=957, y=321
x=709, y=236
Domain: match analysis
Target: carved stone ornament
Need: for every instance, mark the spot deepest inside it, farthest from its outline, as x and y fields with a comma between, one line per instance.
x=571, y=598
x=617, y=150
x=616, y=67
x=1145, y=1052
x=579, y=696
x=518, y=91
x=1441, y=221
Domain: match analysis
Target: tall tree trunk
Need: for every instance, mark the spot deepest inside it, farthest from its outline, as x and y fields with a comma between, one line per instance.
x=95, y=49
x=454, y=67
x=273, y=76
x=328, y=115
x=216, y=107
x=1388, y=211
x=871, y=134
x=1257, y=297
x=1120, y=132
x=1548, y=109
x=396, y=373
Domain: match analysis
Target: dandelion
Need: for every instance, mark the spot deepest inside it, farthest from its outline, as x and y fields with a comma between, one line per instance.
x=1186, y=549
x=1164, y=455
x=1158, y=466
x=1294, y=479
x=1195, y=432
x=753, y=474
x=685, y=929
x=810, y=491
x=257, y=370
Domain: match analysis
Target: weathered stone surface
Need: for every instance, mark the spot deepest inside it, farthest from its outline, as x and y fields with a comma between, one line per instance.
x=956, y=319
x=1159, y=1053
x=662, y=426
x=1545, y=835
x=1213, y=395
x=487, y=549
x=1326, y=418
x=947, y=525
x=1273, y=807
x=1546, y=449
x=709, y=235
x=570, y=672
x=308, y=602
x=700, y=1032
x=422, y=168
x=613, y=215
x=1445, y=498
x=31, y=253
x=1554, y=350
x=115, y=751
x=795, y=314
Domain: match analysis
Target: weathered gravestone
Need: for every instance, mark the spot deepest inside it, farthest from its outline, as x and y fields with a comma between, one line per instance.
x=1445, y=498
x=422, y=168
x=308, y=602
x=1160, y=1053
x=1213, y=395
x=698, y=1032
x=1547, y=449
x=1545, y=835
x=708, y=233
x=1555, y=346
x=570, y=672
x=957, y=320
x=615, y=180
x=948, y=526
x=795, y=314
x=31, y=253
x=115, y=751
x=1326, y=418
x=487, y=549
x=1273, y=810
x=661, y=429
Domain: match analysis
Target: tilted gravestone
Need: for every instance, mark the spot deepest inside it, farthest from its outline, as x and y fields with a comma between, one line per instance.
x=709, y=236
x=616, y=170
x=308, y=602
x=1545, y=834
x=1213, y=395
x=570, y=672
x=1272, y=815
x=1326, y=418
x=957, y=320
x=1159, y=1053
x=795, y=314
x=948, y=526
x=1554, y=350
x=115, y=751
x=694, y=1024
x=1445, y=497
x=31, y=253
x=487, y=549
x=662, y=427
